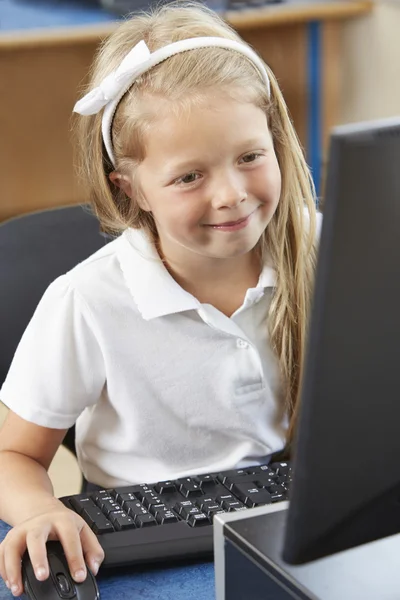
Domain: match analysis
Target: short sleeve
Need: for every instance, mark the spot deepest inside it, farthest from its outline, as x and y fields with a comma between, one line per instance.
x=57, y=370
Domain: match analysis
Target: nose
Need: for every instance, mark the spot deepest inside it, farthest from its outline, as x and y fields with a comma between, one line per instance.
x=229, y=192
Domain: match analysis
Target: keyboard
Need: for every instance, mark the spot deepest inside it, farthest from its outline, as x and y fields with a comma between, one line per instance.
x=172, y=520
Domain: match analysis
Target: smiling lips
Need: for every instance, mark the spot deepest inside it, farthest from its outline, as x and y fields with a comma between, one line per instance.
x=232, y=225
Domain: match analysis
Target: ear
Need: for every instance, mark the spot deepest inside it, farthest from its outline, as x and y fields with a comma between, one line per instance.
x=121, y=181
x=124, y=183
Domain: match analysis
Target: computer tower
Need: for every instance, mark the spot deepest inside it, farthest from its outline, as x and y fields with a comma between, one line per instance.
x=249, y=566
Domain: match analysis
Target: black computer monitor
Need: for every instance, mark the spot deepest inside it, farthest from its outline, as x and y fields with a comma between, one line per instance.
x=346, y=487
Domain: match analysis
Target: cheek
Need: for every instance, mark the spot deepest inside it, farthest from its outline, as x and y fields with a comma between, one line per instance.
x=270, y=184
x=181, y=212
x=278, y=186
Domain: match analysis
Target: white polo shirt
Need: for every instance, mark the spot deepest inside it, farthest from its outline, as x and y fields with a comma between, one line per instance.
x=161, y=386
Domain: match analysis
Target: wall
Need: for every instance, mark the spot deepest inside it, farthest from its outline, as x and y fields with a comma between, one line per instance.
x=371, y=65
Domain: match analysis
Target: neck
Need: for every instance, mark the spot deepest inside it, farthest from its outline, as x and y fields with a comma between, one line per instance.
x=204, y=277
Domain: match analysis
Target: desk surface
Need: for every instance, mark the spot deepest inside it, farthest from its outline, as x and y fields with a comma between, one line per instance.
x=41, y=21
x=37, y=14
x=183, y=582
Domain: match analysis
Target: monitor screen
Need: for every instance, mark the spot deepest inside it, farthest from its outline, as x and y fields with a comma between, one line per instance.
x=346, y=486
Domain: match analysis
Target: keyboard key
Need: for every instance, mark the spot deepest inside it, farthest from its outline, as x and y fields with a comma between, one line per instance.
x=231, y=481
x=280, y=480
x=125, y=496
x=79, y=504
x=129, y=489
x=213, y=512
x=263, y=480
x=91, y=512
x=222, y=477
x=220, y=499
x=205, y=481
x=180, y=506
x=230, y=505
x=146, y=520
x=134, y=509
x=278, y=492
x=108, y=506
x=251, y=496
x=121, y=520
x=259, y=498
x=144, y=492
x=207, y=504
x=280, y=468
x=275, y=488
x=164, y=487
x=152, y=500
x=187, y=511
x=100, y=499
x=264, y=469
x=188, y=487
x=102, y=525
x=155, y=508
x=208, y=510
x=243, y=490
x=198, y=519
x=96, y=520
x=101, y=495
x=165, y=516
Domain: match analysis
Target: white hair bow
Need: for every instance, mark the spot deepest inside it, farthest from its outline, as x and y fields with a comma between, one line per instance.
x=115, y=82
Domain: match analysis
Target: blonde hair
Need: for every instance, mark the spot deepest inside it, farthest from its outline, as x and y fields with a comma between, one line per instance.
x=186, y=77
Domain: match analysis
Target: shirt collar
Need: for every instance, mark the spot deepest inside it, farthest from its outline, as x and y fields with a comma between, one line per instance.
x=267, y=278
x=154, y=290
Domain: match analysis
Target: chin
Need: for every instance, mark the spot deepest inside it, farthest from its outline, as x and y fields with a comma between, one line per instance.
x=240, y=250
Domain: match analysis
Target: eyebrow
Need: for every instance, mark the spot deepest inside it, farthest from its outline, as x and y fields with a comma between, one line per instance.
x=186, y=165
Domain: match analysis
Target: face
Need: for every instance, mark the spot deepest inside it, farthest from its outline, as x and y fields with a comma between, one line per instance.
x=210, y=179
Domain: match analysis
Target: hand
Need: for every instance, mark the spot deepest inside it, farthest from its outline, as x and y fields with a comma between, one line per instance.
x=79, y=542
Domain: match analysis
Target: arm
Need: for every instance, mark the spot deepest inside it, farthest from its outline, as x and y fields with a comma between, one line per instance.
x=28, y=503
x=26, y=451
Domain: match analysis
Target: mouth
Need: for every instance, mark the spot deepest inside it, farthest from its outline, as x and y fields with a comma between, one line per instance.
x=233, y=225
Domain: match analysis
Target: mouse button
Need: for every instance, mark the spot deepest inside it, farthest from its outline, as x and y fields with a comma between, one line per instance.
x=32, y=587
x=39, y=590
x=63, y=583
x=61, y=577
x=62, y=586
x=88, y=589
x=26, y=565
x=28, y=591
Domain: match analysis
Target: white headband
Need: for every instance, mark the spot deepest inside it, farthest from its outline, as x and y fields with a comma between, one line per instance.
x=139, y=60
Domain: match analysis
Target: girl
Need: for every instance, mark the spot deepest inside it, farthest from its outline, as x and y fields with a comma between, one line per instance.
x=178, y=347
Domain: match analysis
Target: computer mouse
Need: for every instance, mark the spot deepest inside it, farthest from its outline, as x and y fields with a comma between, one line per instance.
x=59, y=585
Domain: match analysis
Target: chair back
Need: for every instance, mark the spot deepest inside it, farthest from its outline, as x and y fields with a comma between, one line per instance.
x=34, y=250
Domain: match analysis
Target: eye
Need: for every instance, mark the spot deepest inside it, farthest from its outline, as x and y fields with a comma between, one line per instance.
x=188, y=178
x=251, y=157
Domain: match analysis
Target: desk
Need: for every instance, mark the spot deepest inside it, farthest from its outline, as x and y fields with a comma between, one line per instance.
x=47, y=47
x=183, y=582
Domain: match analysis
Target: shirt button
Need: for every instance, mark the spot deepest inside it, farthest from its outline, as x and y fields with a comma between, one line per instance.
x=241, y=343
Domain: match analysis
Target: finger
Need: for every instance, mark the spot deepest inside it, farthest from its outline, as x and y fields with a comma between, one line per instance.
x=71, y=543
x=93, y=552
x=2, y=567
x=13, y=552
x=36, y=543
